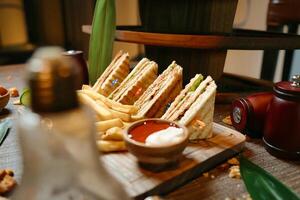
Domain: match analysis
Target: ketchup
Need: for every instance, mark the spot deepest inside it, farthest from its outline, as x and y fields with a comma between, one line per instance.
x=142, y=131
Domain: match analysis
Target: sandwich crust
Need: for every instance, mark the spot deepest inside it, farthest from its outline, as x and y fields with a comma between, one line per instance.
x=114, y=74
x=173, y=111
x=153, y=88
x=126, y=81
x=208, y=96
x=189, y=99
x=153, y=102
x=136, y=82
x=202, y=109
x=170, y=97
x=194, y=108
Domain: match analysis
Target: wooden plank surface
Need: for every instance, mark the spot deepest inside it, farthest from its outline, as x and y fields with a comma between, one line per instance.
x=217, y=186
x=197, y=158
x=234, y=41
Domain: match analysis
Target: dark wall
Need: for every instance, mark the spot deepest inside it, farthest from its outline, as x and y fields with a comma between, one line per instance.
x=76, y=14
x=58, y=22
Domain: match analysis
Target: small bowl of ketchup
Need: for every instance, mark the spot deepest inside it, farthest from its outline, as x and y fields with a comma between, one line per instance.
x=156, y=141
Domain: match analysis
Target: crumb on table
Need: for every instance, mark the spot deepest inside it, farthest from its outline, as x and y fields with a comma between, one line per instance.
x=227, y=120
x=7, y=181
x=206, y=174
x=234, y=172
x=13, y=92
x=233, y=161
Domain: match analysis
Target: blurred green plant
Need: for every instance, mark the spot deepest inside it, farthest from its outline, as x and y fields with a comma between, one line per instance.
x=102, y=38
x=261, y=185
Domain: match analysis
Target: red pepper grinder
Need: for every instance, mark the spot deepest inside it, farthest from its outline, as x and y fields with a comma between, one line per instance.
x=248, y=114
x=282, y=124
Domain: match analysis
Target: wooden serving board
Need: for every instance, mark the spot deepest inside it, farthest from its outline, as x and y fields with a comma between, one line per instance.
x=197, y=158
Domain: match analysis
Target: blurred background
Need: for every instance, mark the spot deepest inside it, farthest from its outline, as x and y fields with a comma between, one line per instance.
x=27, y=24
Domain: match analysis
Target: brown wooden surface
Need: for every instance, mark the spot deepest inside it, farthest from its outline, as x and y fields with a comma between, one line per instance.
x=197, y=158
x=75, y=13
x=244, y=41
x=203, y=53
x=193, y=61
x=219, y=187
x=177, y=16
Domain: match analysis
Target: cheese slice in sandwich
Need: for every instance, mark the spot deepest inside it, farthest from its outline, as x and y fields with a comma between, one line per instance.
x=135, y=84
x=160, y=93
x=194, y=107
x=113, y=75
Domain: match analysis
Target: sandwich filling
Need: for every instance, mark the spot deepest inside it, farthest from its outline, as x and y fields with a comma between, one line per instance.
x=154, y=97
x=136, y=82
x=187, y=97
x=194, y=107
x=203, y=107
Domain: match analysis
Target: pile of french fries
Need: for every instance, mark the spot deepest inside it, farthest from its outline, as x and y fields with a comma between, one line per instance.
x=112, y=118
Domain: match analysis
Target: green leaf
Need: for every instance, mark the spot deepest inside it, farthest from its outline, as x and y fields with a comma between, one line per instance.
x=102, y=38
x=4, y=126
x=263, y=186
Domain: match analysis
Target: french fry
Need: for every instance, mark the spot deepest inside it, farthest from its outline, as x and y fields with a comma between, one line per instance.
x=92, y=94
x=97, y=118
x=102, y=112
x=123, y=116
x=114, y=133
x=126, y=124
x=136, y=118
x=86, y=87
x=110, y=103
x=111, y=146
x=104, y=125
x=124, y=108
x=99, y=135
x=102, y=104
x=130, y=109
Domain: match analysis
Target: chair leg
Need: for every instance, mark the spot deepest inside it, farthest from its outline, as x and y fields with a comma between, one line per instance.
x=270, y=58
x=289, y=54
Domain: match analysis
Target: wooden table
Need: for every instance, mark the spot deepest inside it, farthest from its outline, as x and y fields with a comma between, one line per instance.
x=217, y=186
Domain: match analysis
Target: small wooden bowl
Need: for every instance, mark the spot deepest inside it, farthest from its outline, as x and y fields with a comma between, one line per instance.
x=156, y=155
x=4, y=97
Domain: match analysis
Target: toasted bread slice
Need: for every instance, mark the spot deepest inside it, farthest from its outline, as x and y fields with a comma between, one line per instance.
x=202, y=109
x=194, y=107
x=155, y=97
x=180, y=99
x=114, y=74
x=136, y=82
x=188, y=100
x=170, y=98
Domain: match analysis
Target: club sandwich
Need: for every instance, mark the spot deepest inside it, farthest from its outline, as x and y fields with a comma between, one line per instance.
x=113, y=75
x=194, y=107
x=135, y=84
x=160, y=93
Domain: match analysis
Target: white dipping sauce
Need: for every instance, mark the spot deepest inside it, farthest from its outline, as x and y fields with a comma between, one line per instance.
x=168, y=136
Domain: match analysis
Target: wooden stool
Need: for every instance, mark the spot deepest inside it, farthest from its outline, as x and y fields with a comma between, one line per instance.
x=280, y=13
